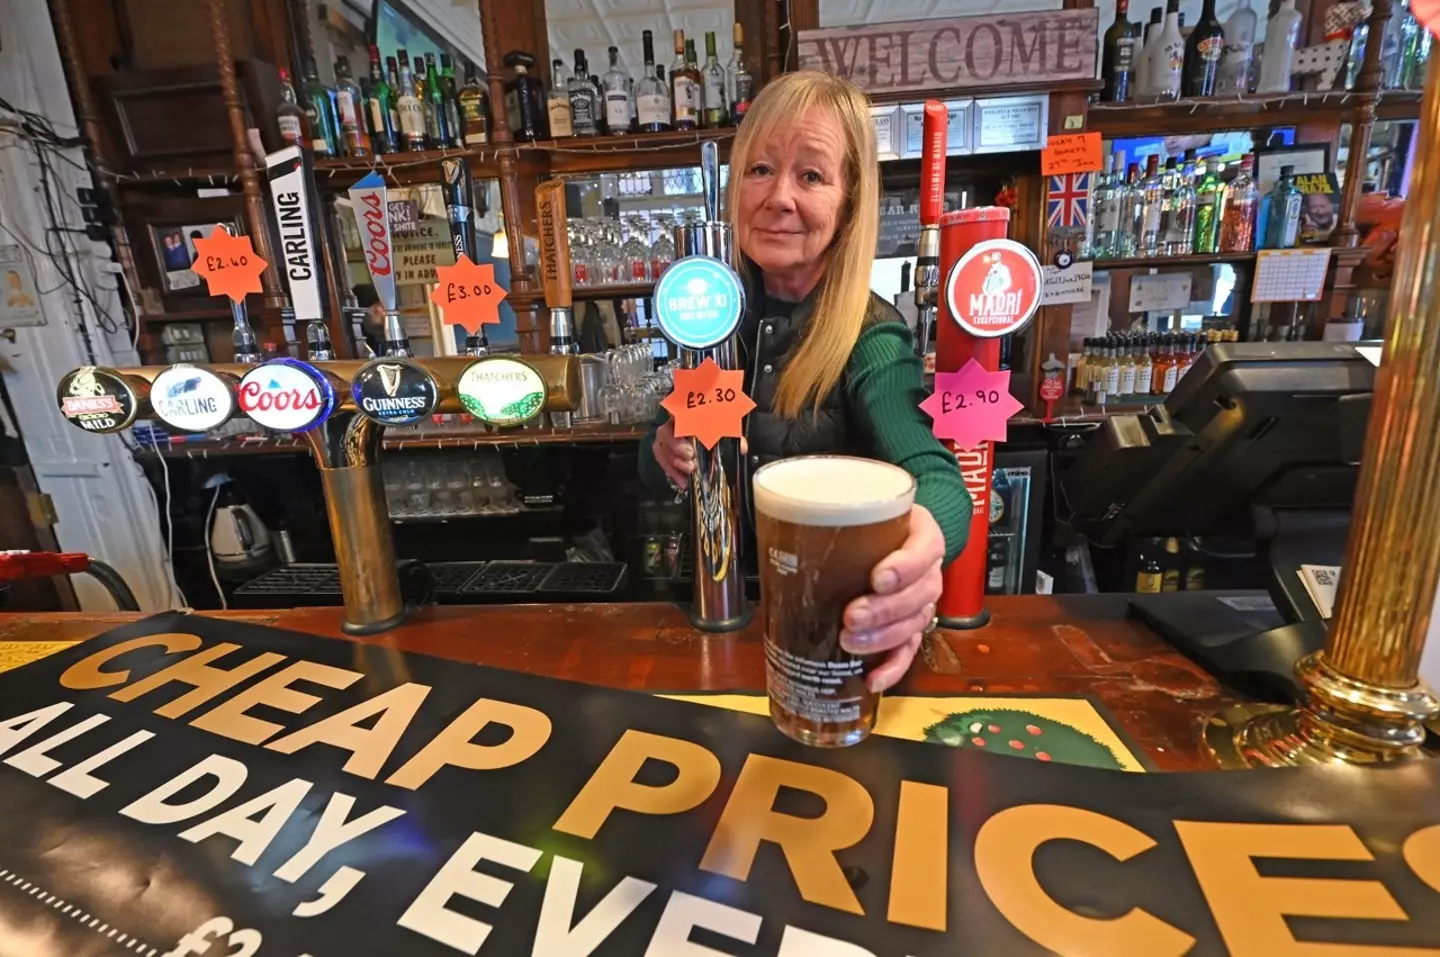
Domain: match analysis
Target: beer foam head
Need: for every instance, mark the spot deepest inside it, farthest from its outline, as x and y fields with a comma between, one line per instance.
x=833, y=490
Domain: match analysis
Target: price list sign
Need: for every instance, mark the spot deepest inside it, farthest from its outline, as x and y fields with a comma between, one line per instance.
x=709, y=403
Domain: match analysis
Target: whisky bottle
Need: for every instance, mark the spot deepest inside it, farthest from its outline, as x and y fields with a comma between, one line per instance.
x=453, y=123
x=377, y=108
x=474, y=109
x=652, y=94
x=524, y=102
x=412, y=114
x=619, y=113
x=584, y=105
x=289, y=117
x=741, y=85
x=320, y=112
x=392, y=78
x=557, y=102
x=685, y=90
x=717, y=106
x=437, y=121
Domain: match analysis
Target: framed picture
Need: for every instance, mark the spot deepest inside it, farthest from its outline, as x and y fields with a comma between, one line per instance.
x=1305, y=157
x=169, y=228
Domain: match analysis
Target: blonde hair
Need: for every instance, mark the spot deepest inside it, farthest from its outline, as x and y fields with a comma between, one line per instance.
x=817, y=365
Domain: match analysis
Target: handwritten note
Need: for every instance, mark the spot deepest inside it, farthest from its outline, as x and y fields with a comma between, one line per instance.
x=709, y=403
x=1072, y=153
x=1163, y=291
x=467, y=294
x=1290, y=275
x=1068, y=285
x=228, y=264
x=971, y=406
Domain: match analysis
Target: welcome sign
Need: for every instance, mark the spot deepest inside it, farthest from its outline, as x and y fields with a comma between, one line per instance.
x=188, y=786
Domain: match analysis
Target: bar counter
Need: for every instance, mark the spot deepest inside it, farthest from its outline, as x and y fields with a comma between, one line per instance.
x=1062, y=645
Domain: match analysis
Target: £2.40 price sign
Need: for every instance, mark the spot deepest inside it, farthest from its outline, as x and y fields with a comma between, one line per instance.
x=467, y=294
x=971, y=406
x=228, y=264
x=709, y=403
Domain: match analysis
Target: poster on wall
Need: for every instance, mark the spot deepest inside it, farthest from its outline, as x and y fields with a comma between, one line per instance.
x=19, y=300
x=184, y=785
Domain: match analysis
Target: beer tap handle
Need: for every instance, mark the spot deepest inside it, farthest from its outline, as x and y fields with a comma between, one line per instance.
x=397, y=343
x=476, y=344
x=932, y=205
x=710, y=179
x=317, y=342
x=555, y=265
x=247, y=347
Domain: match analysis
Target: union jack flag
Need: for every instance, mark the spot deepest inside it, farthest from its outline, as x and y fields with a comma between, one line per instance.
x=1069, y=200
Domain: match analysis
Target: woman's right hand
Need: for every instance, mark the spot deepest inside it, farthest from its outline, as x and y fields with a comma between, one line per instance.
x=675, y=456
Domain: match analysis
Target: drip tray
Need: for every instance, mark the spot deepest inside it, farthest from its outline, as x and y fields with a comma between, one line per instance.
x=456, y=583
x=319, y=584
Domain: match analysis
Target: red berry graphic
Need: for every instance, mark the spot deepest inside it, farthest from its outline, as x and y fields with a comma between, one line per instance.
x=978, y=742
x=1041, y=756
x=1017, y=745
x=1032, y=729
x=994, y=729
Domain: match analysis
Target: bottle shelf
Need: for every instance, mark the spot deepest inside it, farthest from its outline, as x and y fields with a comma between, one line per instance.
x=1174, y=262
x=1245, y=111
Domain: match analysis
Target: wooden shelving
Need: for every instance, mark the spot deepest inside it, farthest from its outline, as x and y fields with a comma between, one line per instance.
x=396, y=441
x=630, y=290
x=1250, y=111
x=1174, y=262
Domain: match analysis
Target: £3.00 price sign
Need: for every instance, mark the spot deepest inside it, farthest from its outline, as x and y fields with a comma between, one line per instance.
x=709, y=403
x=467, y=294
x=971, y=406
x=228, y=264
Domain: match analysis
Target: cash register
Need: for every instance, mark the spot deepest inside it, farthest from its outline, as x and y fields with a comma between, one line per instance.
x=1260, y=440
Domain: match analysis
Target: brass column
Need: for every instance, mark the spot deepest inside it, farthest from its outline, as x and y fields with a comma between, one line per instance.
x=1364, y=701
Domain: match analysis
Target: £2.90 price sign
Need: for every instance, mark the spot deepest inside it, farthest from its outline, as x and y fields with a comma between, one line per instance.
x=228, y=264
x=709, y=403
x=971, y=406
x=467, y=294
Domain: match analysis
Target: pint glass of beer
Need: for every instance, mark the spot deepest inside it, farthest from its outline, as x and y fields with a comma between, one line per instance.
x=823, y=523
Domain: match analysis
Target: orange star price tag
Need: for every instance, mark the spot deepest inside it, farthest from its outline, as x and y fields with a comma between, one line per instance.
x=228, y=264
x=467, y=294
x=709, y=403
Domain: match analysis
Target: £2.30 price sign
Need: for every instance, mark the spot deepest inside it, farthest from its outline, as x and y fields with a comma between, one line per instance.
x=709, y=403
x=228, y=264
x=971, y=406
x=467, y=294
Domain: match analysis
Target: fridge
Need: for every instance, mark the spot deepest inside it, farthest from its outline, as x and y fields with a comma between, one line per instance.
x=1016, y=521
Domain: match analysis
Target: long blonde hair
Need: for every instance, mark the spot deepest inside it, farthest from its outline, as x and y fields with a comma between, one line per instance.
x=816, y=367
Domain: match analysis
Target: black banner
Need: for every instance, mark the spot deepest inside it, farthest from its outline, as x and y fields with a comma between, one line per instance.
x=187, y=786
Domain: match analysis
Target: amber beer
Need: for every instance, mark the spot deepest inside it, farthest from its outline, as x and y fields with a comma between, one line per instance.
x=823, y=523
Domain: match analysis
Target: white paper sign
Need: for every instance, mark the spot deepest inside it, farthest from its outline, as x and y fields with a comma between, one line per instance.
x=1290, y=275
x=1164, y=291
x=1370, y=352
x=1322, y=582
x=19, y=301
x=1067, y=285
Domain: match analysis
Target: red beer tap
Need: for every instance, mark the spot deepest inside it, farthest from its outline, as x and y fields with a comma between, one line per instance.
x=932, y=204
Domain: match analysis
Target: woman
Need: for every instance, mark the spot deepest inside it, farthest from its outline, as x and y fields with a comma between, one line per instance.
x=830, y=365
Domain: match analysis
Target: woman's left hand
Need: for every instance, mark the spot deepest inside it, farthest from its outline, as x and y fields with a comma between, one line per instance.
x=907, y=584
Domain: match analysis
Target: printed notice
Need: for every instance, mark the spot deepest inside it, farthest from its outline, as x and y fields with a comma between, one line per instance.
x=1071, y=153
x=1290, y=275
x=1322, y=582
x=1164, y=291
x=1071, y=284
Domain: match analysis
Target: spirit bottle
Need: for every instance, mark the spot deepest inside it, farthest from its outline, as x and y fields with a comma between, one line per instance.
x=685, y=85
x=392, y=77
x=1282, y=217
x=1237, y=224
x=1144, y=80
x=1107, y=207
x=652, y=95
x=1126, y=360
x=1169, y=62
x=412, y=114
x=557, y=102
x=1209, y=202
x=377, y=108
x=1203, y=51
x=1179, y=211
x=320, y=112
x=1276, y=65
x=524, y=103
x=1239, y=53
x=289, y=117
x=1143, y=368
x=717, y=103
x=348, y=104
x=1152, y=203
x=453, y=123
x=437, y=122
x=619, y=112
x=474, y=109
x=1132, y=207
x=740, y=83
x=1119, y=58
x=584, y=104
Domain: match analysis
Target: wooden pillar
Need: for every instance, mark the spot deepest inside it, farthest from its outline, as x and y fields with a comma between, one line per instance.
x=1368, y=85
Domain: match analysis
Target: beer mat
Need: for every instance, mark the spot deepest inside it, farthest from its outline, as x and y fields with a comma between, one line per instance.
x=1070, y=730
x=1067, y=730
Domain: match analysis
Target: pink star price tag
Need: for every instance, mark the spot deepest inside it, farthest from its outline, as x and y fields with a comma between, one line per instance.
x=971, y=406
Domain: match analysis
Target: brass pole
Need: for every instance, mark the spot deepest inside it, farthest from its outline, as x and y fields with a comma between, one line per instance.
x=1364, y=701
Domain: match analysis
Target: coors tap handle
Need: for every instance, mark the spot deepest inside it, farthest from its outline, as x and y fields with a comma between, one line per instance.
x=932, y=204
x=717, y=486
x=458, y=187
x=555, y=274
x=372, y=217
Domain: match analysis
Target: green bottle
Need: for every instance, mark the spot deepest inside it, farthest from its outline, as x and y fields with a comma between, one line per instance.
x=434, y=104
x=453, y=124
x=320, y=112
x=1209, y=204
x=384, y=137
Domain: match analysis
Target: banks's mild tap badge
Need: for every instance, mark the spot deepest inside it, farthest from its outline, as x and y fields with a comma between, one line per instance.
x=994, y=288
x=502, y=391
x=97, y=399
x=192, y=398
x=698, y=302
x=395, y=392
x=286, y=395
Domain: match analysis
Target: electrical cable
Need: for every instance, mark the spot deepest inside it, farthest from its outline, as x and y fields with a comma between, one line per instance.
x=169, y=526
x=210, y=552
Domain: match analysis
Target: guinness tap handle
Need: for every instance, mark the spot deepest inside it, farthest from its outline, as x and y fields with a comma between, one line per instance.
x=397, y=343
x=710, y=179
x=457, y=184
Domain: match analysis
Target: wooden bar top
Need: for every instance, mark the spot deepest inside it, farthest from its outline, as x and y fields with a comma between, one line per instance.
x=1035, y=645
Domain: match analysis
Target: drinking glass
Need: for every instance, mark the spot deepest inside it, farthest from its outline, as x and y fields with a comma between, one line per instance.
x=662, y=251
x=635, y=254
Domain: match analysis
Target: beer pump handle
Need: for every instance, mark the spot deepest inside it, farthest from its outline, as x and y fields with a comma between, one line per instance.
x=397, y=343
x=318, y=347
x=554, y=244
x=247, y=347
x=710, y=179
x=932, y=163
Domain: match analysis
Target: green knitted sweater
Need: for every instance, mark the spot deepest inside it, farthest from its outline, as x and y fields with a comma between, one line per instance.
x=883, y=390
